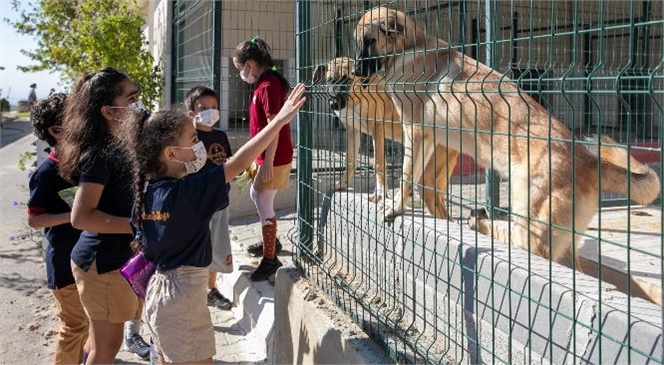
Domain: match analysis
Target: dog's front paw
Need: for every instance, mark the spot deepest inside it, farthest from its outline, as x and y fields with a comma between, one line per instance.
x=378, y=196
x=341, y=186
x=375, y=197
x=391, y=215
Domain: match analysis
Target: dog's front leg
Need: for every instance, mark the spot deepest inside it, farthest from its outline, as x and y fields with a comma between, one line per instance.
x=379, y=164
x=412, y=148
x=352, y=150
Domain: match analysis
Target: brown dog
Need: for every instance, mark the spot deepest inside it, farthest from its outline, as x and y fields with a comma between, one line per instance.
x=364, y=107
x=458, y=102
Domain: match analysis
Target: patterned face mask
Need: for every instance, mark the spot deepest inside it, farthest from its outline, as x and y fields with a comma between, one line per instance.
x=197, y=164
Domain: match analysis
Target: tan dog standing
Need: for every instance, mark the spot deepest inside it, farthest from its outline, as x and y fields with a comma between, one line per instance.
x=364, y=107
x=451, y=99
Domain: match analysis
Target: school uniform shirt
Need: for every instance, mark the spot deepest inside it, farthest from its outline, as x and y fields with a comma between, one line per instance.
x=176, y=219
x=266, y=100
x=109, y=167
x=218, y=149
x=45, y=183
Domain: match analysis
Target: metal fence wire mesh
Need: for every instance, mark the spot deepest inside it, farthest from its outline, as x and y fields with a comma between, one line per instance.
x=205, y=34
x=541, y=242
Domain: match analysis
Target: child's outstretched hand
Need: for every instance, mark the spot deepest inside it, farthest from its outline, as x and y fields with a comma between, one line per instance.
x=294, y=102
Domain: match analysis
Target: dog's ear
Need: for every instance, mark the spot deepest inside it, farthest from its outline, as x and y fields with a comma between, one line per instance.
x=319, y=73
x=392, y=26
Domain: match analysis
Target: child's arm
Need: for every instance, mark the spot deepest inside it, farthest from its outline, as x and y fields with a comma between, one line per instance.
x=46, y=220
x=248, y=153
x=86, y=216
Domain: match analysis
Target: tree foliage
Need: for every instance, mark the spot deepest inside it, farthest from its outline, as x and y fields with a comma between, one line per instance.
x=75, y=37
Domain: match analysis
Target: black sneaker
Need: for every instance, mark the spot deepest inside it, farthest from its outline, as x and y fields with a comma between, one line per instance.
x=136, y=344
x=266, y=269
x=216, y=299
x=256, y=249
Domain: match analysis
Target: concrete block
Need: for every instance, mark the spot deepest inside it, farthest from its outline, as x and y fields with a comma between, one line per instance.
x=309, y=329
x=473, y=299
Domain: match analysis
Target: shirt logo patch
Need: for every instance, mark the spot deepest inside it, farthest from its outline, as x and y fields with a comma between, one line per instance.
x=156, y=216
x=217, y=154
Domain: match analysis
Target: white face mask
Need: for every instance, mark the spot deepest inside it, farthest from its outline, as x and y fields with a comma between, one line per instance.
x=197, y=164
x=247, y=77
x=207, y=117
x=136, y=106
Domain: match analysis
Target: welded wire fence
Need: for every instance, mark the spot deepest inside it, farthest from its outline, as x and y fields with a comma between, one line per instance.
x=205, y=34
x=530, y=246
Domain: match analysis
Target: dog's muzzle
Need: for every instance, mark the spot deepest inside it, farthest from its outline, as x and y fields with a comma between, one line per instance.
x=366, y=67
x=366, y=61
x=338, y=102
x=338, y=92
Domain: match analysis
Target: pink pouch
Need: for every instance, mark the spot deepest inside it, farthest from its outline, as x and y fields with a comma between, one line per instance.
x=138, y=271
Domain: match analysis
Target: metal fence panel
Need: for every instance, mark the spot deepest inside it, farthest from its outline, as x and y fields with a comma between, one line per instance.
x=205, y=34
x=452, y=289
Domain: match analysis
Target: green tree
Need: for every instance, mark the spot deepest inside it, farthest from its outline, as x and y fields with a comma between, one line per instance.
x=75, y=37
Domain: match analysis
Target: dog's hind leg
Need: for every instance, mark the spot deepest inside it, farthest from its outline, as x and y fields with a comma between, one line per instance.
x=438, y=168
x=352, y=150
x=565, y=244
x=413, y=140
x=379, y=164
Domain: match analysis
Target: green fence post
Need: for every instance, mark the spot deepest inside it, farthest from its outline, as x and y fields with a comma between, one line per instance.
x=217, y=45
x=305, y=209
x=492, y=178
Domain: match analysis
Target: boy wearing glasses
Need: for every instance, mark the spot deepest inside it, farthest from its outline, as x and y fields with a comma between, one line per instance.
x=47, y=210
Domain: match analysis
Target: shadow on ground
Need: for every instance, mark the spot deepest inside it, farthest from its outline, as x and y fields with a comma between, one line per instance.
x=13, y=131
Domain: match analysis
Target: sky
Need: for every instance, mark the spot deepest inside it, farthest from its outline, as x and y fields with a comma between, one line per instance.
x=15, y=84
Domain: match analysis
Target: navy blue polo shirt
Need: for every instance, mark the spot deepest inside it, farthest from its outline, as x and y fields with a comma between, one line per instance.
x=176, y=219
x=218, y=149
x=44, y=186
x=110, y=167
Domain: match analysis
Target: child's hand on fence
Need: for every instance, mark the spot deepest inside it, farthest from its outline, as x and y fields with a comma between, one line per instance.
x=293, y=104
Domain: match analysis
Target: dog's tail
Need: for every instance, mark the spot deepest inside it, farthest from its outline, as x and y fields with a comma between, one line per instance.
x=616, y=165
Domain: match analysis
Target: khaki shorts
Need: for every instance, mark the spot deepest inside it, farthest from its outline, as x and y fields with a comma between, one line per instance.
x=73, y=330
x=280, y=178
x=107, y=296
x=177, y=315
x=222, y=255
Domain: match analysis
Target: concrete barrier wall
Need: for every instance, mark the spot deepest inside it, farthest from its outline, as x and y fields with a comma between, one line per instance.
x=489, y=300
x=309, y=329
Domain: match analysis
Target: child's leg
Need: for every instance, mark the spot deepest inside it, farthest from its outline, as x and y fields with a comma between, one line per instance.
x=212, y=280
x=132, y=327
x=264, y=201
x=269, y=265
x=73, y=331
x=219, y=237
x=133, y=340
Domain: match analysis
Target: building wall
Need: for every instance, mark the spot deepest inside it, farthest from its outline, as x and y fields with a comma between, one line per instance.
x=157, y=32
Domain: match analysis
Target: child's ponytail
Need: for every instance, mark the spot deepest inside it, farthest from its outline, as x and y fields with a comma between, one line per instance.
x=133, y=138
